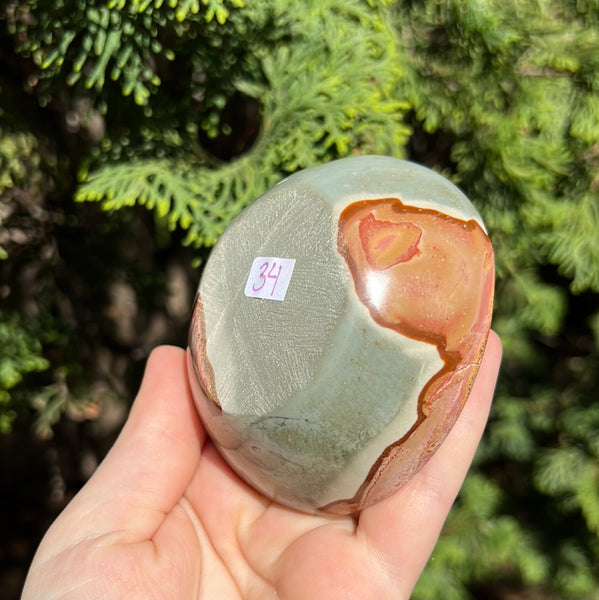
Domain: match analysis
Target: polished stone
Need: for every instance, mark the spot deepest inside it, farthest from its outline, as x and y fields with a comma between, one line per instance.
x=338, y=328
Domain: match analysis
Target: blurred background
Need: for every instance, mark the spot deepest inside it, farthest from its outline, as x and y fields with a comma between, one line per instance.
x=133, y=131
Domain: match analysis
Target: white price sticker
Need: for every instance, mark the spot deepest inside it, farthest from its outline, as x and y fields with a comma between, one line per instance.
x=269, y=278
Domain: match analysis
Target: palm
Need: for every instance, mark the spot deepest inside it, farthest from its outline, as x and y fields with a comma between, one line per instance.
x=164, y=516
x=257, y=548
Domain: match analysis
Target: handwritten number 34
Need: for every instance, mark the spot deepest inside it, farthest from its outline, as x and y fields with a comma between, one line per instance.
x=267, y=275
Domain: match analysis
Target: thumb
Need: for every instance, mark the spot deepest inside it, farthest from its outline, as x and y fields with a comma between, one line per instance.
x=153, y=460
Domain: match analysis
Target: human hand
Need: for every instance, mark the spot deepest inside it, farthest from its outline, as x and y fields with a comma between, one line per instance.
x=165, y=517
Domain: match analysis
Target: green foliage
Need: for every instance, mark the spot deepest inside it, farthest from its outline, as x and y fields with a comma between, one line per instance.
x=511, y=90
x=93, y=41
x=171, y=116
x=16, y=150
x=20, y=353
x=308, y=115
x=569, y=238
x=515, y=105
x=18, y=161
x=478, y=545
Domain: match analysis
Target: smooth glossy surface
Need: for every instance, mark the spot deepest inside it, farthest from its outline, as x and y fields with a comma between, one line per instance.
x=338, y=329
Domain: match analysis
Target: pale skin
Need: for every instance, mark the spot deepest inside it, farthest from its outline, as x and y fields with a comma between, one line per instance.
x=164, y=517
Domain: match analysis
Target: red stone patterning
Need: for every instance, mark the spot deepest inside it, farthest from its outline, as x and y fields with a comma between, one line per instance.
x=197, y=347
x=437, y=274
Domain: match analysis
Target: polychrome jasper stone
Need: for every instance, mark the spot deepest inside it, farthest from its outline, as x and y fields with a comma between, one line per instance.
x=338, y=328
